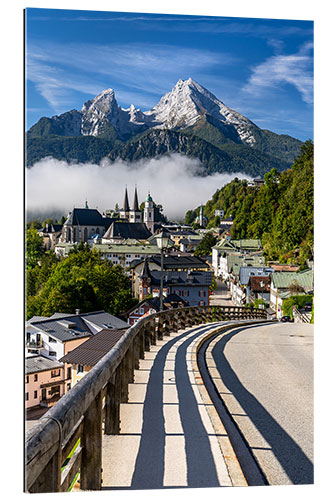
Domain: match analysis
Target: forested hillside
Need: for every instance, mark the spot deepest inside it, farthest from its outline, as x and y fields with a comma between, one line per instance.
x=280, y=213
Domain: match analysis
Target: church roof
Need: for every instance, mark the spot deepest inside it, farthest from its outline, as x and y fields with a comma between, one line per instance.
x=128, y=230
x=85, y=217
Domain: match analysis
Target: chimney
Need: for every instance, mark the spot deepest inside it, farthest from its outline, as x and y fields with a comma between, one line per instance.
x=77, y=312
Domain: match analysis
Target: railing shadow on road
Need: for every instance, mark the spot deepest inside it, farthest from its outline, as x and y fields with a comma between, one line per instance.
x=294, y=462
x=150, y=467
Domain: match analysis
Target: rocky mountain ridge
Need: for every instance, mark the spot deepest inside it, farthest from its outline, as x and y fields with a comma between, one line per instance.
x=188, y=110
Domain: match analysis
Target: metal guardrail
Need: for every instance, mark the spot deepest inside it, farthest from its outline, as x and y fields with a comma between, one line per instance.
x=67, y=440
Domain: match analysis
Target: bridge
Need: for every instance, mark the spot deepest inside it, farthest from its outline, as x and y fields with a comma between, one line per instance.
x=154, y=373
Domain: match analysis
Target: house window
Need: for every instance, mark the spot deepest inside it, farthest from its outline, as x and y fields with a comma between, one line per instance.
x=79, y=369
x=35, y=377
x=201, y=303
x=55, y=391
x=69, y=372
x=52, y=353
x=27, y=396
x=52, y=340
x=68, y=387
x=35, y=394
x=55, y=373
x=27, y=379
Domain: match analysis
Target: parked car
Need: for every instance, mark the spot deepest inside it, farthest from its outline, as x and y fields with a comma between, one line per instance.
x=308, y=307
x=287, y=319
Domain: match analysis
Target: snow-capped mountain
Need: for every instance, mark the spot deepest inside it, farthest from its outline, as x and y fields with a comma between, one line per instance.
x=198, y=124
x=188, y=102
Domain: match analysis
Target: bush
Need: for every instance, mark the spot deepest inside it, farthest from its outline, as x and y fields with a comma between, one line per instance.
x=295, y=300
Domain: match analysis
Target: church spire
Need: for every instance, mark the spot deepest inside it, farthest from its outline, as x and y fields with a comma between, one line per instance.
x=135, y=201
x=126, y=204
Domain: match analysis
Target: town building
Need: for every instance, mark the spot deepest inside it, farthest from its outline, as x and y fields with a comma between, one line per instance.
x=219, y=213
x=53, y=337
x=151, y=305
x=192, y=286
x=258, y=288
x=81, y=359
x=83, y=224
x=189, y=243
x=170, y=263
x=240, y=248
x=286, y=284
x=44, y=381
x=51, y=234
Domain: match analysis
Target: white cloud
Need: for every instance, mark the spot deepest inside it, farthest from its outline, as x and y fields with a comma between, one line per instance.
x=295, y=69
x=56, y=186
x=57, y=68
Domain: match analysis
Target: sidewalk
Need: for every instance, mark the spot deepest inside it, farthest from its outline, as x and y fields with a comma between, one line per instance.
x=170, y=434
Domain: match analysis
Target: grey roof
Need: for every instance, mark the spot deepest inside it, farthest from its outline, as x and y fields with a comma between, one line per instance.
x=104, y=319
x=51, y=228
x=74, y=326
x=95, y=348
x=183, y=278
x=154, y=303
x=185, y=261
x=128, y=230
x=64, y=329
x=36, y=318
x=247, y=271
x=145, y=270
x=85, y=217
x=40, y=363
x=180, y=262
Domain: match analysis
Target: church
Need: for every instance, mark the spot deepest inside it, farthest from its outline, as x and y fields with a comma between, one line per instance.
x=85, y=223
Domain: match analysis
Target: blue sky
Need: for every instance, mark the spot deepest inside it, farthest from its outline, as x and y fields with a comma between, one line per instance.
x=262, y=68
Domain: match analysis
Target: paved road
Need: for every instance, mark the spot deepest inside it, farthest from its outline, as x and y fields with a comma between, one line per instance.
x=267, y=385
x=221, y=295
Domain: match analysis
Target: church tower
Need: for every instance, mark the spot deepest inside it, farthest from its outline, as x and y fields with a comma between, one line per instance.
x=148, y=214
x=135, y=214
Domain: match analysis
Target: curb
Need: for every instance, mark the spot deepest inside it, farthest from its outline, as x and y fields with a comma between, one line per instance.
x=233, y=466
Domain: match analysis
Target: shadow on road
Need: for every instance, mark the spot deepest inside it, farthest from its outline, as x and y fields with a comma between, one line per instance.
x=149, y=466
x=290, y=456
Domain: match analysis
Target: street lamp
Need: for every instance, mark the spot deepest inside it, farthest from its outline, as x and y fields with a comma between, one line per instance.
x=162, y=239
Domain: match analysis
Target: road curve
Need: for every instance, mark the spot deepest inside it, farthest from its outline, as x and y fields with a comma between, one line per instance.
x=264, y=375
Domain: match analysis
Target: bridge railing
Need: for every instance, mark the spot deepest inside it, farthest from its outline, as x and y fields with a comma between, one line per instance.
x=67, y=440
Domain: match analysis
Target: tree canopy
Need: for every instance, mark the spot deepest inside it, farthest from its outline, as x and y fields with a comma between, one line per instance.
x=280, y=212
x=83, y=280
